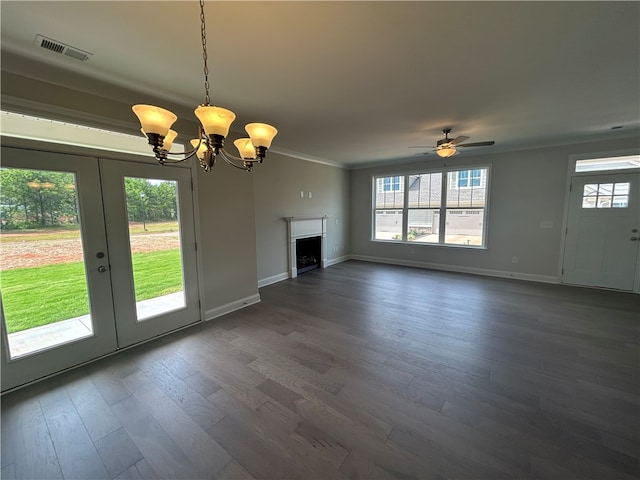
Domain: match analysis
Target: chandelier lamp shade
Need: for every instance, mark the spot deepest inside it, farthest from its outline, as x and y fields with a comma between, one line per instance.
x=215, y=123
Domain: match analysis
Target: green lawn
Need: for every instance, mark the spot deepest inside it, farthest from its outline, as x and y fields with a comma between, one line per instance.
x=38, y=296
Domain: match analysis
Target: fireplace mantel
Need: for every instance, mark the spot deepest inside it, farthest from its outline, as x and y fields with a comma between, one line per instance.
x=305, y=227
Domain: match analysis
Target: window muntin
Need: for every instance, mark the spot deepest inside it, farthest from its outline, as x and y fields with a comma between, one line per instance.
x=606, y=195
x=421, y=216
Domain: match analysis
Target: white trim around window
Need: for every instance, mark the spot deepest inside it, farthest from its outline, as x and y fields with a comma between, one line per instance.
x=445, y=207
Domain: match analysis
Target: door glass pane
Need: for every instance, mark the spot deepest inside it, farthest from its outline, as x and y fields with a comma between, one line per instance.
x=605, y=189
x=620, y=201
x=43, y=275
x=621, y=188
x=154, y=237
x=590, y=190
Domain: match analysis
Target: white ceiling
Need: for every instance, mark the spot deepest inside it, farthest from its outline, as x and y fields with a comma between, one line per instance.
x=357, y=83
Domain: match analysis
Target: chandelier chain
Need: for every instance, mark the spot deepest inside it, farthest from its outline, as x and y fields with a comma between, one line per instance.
x=203, y=32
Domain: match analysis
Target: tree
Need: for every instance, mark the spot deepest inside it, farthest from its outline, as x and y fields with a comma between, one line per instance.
x=40, y=198
x=150, y=200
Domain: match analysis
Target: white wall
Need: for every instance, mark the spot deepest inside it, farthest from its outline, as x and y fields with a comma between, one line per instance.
x=527, y=187
x=228, y=237
x=277, y=185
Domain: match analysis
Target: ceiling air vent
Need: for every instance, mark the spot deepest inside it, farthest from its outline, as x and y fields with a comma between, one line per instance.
x=61, y=48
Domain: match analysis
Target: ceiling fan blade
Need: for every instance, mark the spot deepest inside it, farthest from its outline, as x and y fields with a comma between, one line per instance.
x=477, y=144
x=459, y=139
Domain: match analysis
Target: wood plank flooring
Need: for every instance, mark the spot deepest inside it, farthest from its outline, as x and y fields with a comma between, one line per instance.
x=358, y=371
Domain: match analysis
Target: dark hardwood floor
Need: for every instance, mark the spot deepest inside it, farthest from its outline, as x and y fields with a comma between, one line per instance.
x=357, y=371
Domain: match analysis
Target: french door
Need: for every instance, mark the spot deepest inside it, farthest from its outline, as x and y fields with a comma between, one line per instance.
x=95, y=255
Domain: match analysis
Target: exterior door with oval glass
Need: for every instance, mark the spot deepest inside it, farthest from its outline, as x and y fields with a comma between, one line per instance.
x=603, y=231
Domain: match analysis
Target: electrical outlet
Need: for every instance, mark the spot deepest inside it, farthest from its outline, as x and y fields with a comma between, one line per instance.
x=301, y=194
x=310, y=195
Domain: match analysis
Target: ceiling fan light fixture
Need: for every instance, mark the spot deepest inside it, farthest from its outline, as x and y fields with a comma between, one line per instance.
x=446, y=151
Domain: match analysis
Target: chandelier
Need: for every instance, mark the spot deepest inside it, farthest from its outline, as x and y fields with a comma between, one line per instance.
x=214, y=127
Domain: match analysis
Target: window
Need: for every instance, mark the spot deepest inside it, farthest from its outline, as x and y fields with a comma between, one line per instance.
x=388, y=206
x=24, y=126
x=606, y=195
x=435, y=208
x=609, y=163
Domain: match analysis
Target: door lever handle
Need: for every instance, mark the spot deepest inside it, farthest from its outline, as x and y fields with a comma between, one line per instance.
x=102, y=269
x=634, y=239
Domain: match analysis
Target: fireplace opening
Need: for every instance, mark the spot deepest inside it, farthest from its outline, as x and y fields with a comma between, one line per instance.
x=308, y=253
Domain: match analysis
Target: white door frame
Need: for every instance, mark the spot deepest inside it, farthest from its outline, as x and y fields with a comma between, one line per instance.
x=571, y=173
x=130, y=329
x=47, y=148
x=24, y=369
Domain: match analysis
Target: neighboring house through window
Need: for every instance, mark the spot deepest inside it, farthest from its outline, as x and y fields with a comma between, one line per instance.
x=437, y=207
x=390, y=184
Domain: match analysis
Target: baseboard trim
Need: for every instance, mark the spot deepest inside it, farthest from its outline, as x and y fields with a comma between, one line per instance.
x=231, y=307
x=285, y=275
x=458, y=269
x=335, y=261
x=273, y=279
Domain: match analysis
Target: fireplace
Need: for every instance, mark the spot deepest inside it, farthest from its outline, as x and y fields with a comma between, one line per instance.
x=307, y=243
x=308, y=253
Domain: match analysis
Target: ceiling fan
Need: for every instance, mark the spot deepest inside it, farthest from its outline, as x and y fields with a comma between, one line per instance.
x=448, y=147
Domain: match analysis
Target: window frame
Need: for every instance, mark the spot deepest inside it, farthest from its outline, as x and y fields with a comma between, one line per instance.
x=442, y=209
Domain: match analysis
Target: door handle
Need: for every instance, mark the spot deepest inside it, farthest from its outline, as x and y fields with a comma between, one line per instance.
x=102, y=269
x=634, y=239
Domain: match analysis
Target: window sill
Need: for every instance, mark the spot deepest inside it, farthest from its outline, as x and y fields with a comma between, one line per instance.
x=420, y=244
